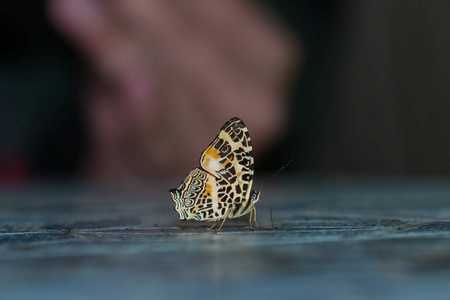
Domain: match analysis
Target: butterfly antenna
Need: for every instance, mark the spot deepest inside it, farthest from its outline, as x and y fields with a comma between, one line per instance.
x=260, y=187
x=277, y=172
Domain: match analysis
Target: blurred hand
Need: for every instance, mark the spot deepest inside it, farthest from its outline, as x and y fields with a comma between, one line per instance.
x=166, y=75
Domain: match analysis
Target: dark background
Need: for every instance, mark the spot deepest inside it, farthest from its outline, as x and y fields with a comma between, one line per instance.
x=371, y=97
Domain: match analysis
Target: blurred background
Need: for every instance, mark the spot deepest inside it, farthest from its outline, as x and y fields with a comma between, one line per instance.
x=121, y=92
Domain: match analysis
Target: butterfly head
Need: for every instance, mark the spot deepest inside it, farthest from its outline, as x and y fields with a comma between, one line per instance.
x=255, y=196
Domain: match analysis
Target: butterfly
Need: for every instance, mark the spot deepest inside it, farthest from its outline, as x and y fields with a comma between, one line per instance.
x=220, y=187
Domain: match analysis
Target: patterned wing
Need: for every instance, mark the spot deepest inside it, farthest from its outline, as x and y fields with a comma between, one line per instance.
x=221, y=186
x=230, y=159
x=197, y=199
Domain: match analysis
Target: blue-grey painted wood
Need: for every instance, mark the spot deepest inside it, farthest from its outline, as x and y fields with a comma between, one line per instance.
x=334, y=238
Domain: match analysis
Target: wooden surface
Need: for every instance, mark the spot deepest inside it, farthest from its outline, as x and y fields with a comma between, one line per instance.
x=335, y=238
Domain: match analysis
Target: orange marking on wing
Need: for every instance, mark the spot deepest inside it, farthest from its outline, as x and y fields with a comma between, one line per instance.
x=212, y=153
x=208, y=190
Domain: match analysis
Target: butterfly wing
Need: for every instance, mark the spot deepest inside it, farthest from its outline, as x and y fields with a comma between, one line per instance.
x=196, y=198
x=222, y=184
x=229, y=158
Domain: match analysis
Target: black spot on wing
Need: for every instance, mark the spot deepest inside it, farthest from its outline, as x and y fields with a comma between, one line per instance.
x=247, y=177
x=238, y=189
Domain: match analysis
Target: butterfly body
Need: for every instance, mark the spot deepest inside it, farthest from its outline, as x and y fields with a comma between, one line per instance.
x=221, y=187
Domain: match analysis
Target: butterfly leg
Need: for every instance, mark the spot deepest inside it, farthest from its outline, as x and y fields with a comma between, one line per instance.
x=250, y=220
x=254, y=217
x=253, y=213
x=209, y=228
x=271, y=218
x=224, y=220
